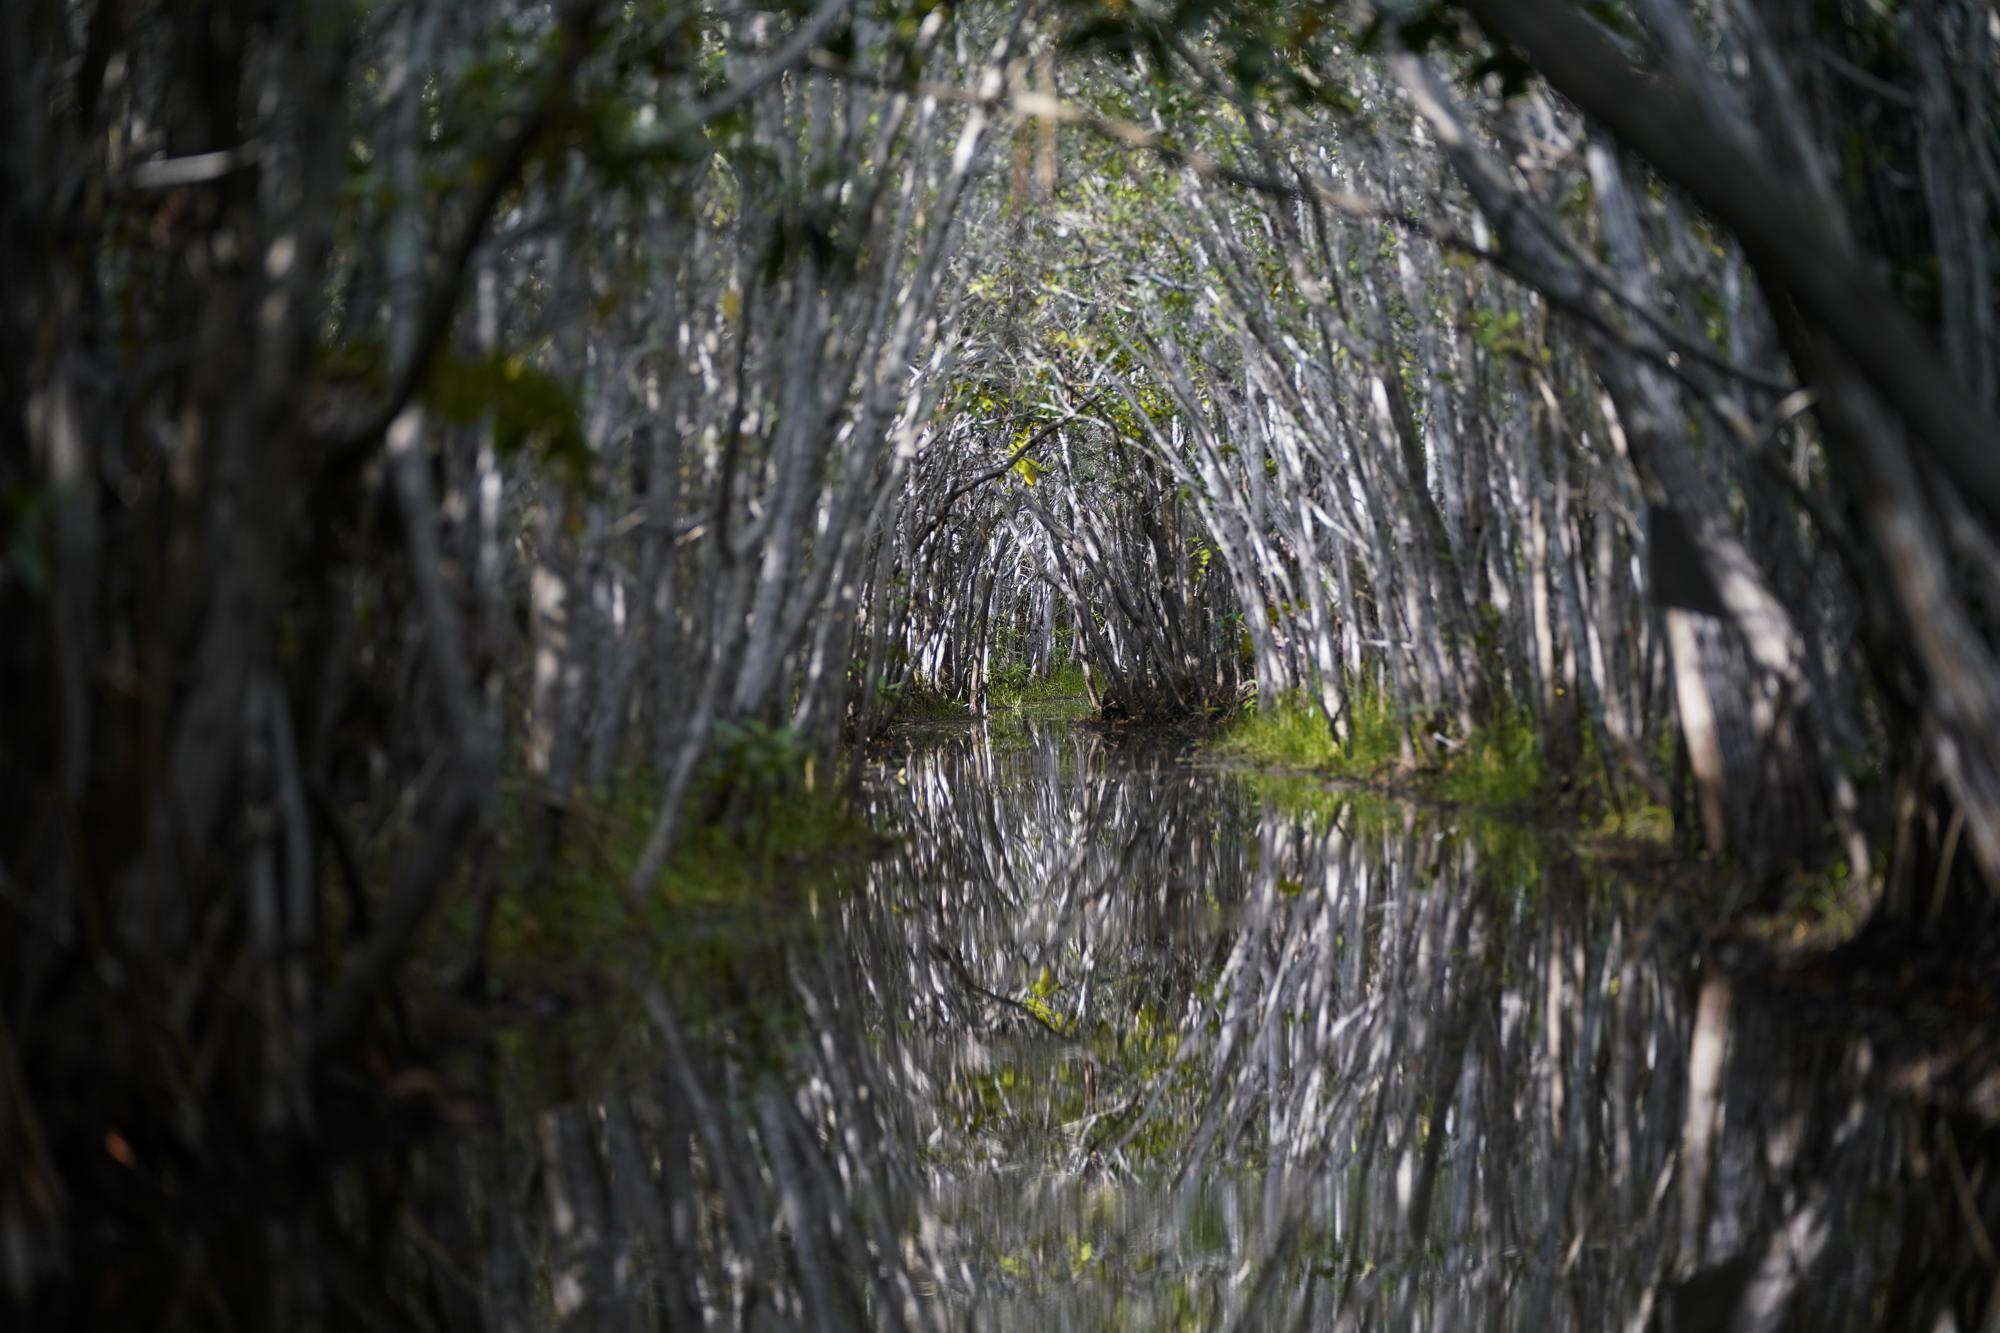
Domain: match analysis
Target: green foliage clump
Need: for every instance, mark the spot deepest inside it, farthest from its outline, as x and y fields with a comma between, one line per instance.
x=1286, y=732
x=772, y=780
x=921, y=703
x=1500, y=764
x=1012, y=688
x=1292, y=732
x=1061, y=692
x=566, y=935
x=1824, y=897
x=1625, y=812
x=531, y=411
x=563, y=895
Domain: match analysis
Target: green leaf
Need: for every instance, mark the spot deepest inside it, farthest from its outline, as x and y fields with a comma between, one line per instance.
x=530, y=410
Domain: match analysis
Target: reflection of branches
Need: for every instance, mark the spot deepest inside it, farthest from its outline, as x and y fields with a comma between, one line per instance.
x=967, y=980
x=1442, y=1078
x=995, y=473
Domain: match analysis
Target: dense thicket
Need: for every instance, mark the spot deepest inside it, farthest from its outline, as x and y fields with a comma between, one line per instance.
x=419, y=419
x=1469, y=408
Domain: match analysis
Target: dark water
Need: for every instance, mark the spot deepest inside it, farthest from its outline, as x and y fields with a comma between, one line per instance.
x=1115, y=1041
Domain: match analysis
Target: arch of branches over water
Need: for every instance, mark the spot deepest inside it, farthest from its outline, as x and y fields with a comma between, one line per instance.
x=415, y=417
x=1491, y=358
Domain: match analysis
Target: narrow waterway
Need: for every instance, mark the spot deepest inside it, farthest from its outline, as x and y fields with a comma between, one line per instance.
x=1113, y=1039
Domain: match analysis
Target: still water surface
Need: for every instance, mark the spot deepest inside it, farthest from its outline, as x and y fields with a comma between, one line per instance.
x=1111, y=1039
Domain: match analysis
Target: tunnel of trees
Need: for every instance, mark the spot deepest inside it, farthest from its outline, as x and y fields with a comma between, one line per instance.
x=433, y=433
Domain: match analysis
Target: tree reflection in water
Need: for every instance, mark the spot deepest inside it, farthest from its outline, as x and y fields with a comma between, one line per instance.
x=1109, y=1041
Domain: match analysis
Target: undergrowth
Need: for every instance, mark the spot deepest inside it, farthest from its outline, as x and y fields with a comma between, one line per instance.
x=1013, y=688
x=921, y=703
x=1061, y=692
x=1291, y=732
x=1499, y=764
x=1498, y=769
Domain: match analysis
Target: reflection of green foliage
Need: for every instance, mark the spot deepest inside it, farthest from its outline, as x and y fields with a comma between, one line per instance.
x=713, y=932
x=1646, y=821
x=1499, y=765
